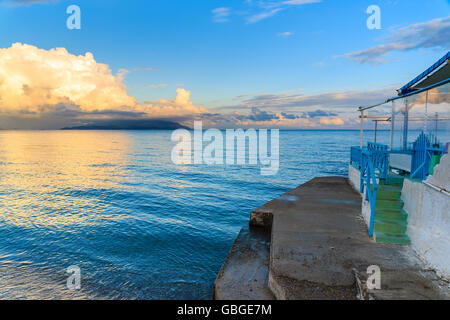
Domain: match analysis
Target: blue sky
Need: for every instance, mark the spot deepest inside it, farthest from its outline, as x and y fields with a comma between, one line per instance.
x=243, y=56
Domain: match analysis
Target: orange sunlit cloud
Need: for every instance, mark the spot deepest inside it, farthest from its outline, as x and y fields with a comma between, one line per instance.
x=33, y=80
x=32, y=77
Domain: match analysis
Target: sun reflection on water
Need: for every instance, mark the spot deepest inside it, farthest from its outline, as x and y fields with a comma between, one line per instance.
x=45, y=175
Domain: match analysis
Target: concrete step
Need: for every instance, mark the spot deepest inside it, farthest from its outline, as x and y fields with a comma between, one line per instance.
x=391, y=215
x=383, y=204
x=381, y=237
x=391, y=227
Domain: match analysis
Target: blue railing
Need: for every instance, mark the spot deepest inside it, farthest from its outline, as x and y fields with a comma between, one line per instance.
x=423, y=152
x=369, y=181
x=355, y=156
x=373, y=163
x=379, y=154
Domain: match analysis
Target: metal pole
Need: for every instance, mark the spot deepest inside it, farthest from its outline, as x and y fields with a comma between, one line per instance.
x=436, y=128
x=425, y=126
x=362, y=129
x=405, y=126
x=376, y=128
x=392, y=125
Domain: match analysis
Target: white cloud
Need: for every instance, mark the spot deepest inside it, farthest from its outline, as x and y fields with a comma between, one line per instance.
x=32, y=77
x=430, y=34
x=326, y=101
x=34, y=82
x=285, y=34
x=146, y=69
x=25, y=2
x=263, y=15
x=156, y=86
x=180, y=106
x=269, y=9
x=221, y=15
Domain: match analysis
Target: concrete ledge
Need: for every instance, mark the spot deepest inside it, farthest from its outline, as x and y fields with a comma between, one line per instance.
x=244, y=275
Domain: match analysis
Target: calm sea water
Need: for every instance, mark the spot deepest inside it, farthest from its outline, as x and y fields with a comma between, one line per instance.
x=138, y=226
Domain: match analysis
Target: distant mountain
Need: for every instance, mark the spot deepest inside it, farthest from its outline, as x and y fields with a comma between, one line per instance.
x=129, y=125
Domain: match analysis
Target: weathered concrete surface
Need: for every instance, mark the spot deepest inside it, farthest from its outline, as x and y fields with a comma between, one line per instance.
x=318, y=238
x=408, y=285
x=244, y=275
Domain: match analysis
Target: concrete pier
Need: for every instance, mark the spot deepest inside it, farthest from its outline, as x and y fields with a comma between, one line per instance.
x=319, y=249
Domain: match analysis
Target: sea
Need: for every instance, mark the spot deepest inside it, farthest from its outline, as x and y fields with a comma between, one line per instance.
x=113, y=205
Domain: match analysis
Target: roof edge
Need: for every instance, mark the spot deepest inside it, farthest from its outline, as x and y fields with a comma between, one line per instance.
x=406, y=89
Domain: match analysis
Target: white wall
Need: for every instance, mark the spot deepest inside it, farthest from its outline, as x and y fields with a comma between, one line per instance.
x=354, y=177
x=355, y=181
x=429, y=219
x=441, y=176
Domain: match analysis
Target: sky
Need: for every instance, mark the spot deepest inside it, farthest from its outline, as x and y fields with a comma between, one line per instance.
x=232, y=63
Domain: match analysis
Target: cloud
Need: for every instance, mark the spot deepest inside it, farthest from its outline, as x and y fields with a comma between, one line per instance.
x=285, y=34
x=221, y=15
x=319, y=113
x=36, y=82
x=157, y=86
x=426, y=35
x=178, y=107
x=302, y=101
x=293, y=110
x=258, y=118
x=263, y=15
x=31, y=77
x=258, y=115
x=146, y=69
x=267, y=9
x=332, y=121
x=25, y=2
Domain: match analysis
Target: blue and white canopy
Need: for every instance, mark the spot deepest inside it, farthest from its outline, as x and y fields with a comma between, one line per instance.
x=434, y=75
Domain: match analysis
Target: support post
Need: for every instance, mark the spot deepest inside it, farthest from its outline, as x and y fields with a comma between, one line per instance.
x=425, y=125
x=405, y=126
x=392, y=125
x=376, y=129
x=362, y=129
